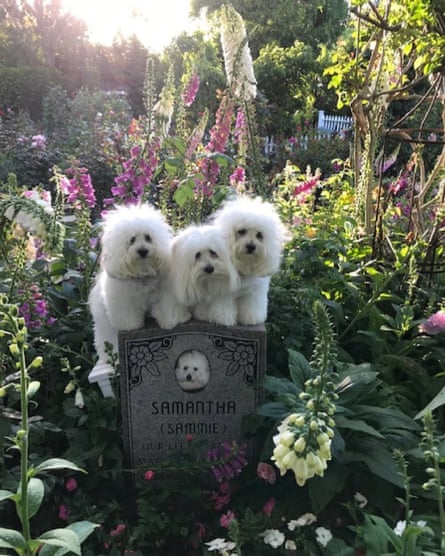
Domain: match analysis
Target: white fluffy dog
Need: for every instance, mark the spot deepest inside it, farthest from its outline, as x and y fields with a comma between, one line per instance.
x=192, y=370
x=202, y=280
x=256, y=236
x=136, y=245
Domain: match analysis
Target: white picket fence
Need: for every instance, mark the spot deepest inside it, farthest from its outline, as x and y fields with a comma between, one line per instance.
x=332, y=123
x=328, y=126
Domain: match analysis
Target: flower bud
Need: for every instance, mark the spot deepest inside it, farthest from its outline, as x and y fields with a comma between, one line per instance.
x=14, y=349
x=287, y=438
x=300, y=445
x=322, y=439
x=37, y=362
x=299, y=420
x=289, y=461
x=279, y=452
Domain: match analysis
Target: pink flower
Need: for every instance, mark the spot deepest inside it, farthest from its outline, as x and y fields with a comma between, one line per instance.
x=238, y=177
x=38, y=141
x=266, y=472
x=149, y=474
x=120, y=528
x=63, y=512
x=269, y=507
x=435, y=324
x=226, y=519
x=71, y=485
x=191, y=90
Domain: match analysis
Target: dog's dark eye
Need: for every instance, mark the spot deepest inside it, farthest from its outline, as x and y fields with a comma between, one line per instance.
x=259, y=235
x=198, y=256
x=242, y=232
x=147, y=237
x=132, y=240
x=213, y=254
x=185, y=367
x=195, y=369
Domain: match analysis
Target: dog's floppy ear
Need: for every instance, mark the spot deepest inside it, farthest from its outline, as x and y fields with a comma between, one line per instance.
x=183, y=258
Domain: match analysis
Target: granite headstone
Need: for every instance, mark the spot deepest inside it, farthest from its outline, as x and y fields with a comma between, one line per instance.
x=197, y=381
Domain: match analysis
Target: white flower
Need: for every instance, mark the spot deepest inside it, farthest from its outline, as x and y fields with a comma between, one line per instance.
x=323, y=535
x=399, y=528
x=360, y=499
x=290, y=545
x=421, y=523
x=273, y=537
x=237, y=57
x=220, y=545
x=302, y=521
x=78, y=399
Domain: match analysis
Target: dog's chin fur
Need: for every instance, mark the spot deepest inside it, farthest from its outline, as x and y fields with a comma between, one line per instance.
x=256, y=237
x=207, y=295
x=136, y=246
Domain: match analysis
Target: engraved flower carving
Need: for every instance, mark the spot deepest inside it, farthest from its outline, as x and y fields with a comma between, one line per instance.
x=241, y=357
x=144, y=357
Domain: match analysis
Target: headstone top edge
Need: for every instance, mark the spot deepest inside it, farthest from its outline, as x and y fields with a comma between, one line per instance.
x=193, y=326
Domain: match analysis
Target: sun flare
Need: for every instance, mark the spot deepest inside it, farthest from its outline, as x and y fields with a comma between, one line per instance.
x=154, y=22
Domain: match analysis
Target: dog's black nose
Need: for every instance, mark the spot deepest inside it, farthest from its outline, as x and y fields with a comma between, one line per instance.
x=209, y=269
x=142, y=252
x=250, y=247
x=189, y=378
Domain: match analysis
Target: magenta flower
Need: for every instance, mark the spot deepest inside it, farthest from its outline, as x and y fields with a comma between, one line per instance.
x=266, y=472
x=34, y=309
x=228, y=460
x=219, y=139
x=399, y=185
x=38, y=141
x=191, y=90
x=303, y=190
x=269, y=507
x=78, y=188
x=226, y=519
x=137, y=174
x=238, y=177
x=222, y=496
x=435, y=324
x=63, y=512
x=118, y=530
x=71, y=485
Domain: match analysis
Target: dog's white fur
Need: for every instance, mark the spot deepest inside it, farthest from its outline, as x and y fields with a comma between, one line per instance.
x=192, y=370
x=202, y=280
x=256, y=236
x=136, y=246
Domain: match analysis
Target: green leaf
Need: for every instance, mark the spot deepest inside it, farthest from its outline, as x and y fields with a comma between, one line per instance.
x=322, y=490
x=279, y=385
x=299, y=368
x=221, y=159
x=5, y=495
x=377, y=458
x=356, y=425
x=63, y=538
x=56, y=463
x=82, y=529
x=273, y=409
x=9, y=538
x=437, y=401
x=377, y=534
x=36, y=491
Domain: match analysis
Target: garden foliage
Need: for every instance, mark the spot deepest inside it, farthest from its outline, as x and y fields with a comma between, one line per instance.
x=351, y=428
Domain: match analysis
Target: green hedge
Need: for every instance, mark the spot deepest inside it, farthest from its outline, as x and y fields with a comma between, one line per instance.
x=24, y=88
